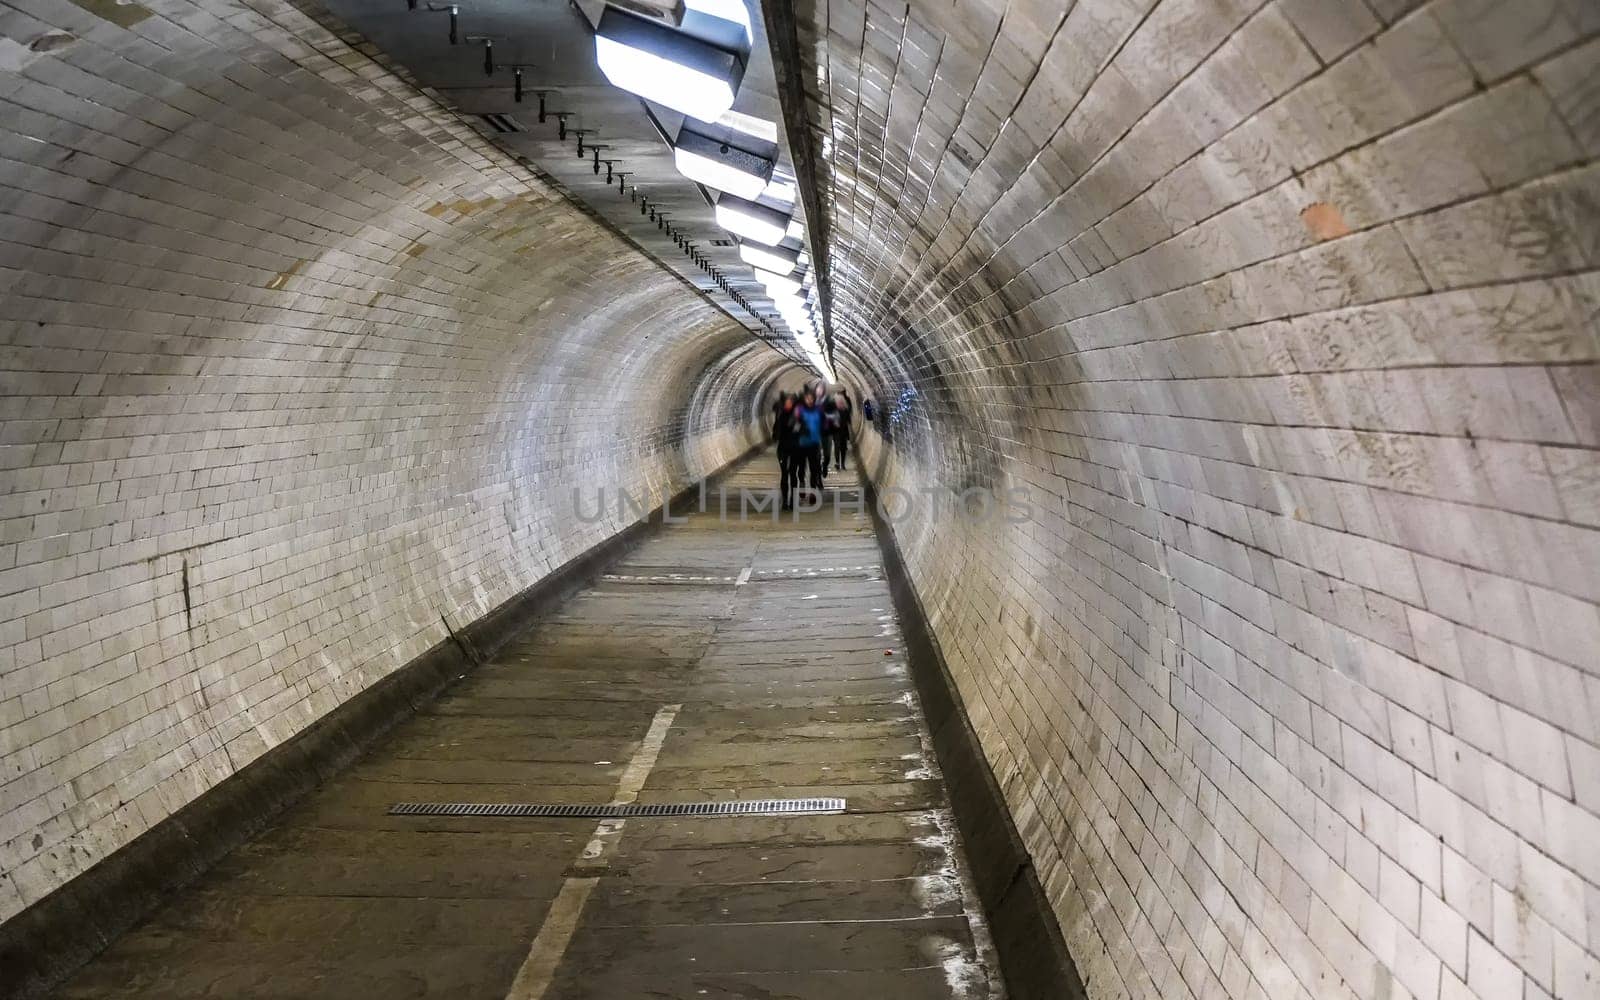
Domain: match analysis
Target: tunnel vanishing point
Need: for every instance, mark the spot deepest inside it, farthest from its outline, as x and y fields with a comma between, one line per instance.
x=385, y=385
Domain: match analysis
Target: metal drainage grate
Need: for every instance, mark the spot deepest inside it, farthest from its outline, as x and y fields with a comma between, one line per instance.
x=757, y=807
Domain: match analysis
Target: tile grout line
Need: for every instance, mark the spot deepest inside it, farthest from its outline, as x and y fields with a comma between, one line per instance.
x=561, y=920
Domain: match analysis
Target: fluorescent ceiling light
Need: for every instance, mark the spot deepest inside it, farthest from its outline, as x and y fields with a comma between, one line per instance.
x=665, y=65
x=720, y=163
x=775, y=282
x=751, y=221
x=769, y=258
x=780, y=190
x=762, y=129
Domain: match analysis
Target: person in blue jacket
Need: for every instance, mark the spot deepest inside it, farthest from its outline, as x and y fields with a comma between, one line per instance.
x=808, y=443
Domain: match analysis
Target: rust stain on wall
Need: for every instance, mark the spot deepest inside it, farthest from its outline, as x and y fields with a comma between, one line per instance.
x=1324, y=220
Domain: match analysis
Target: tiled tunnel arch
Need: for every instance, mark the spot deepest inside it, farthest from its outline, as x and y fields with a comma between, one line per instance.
x=1284, y=314
x=298, y=370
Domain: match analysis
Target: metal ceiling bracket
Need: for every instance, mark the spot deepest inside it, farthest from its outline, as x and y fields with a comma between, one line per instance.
x=454, y=10
x=488, y=52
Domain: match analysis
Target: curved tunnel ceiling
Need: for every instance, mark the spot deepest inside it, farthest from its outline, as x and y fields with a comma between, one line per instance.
x=1284, y=316
x=604, y=148
x=301, y=373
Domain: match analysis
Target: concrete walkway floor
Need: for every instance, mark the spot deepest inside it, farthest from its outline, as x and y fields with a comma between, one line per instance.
x=719, y=661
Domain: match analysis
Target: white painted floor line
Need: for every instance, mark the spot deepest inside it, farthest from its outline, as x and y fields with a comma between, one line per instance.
x=665, y=578
x=555, y=934
x=744, y=577
x=816, y=571
x=550, y=944
x=644, y=758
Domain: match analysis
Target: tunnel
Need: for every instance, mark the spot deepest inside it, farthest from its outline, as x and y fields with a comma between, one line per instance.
x=1202, y=601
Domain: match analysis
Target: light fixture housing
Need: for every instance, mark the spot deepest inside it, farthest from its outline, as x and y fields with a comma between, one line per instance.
x=797, y=318
x=782, y=189
x=751, y=220
x=764, y=129
x=779, y=259
x=726, y=22
x=784, y=296
x=775, y=282
x=666, y=65
x=721, y=158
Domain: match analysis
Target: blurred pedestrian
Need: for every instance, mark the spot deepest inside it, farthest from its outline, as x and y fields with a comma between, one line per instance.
x=784, y=432
x=808, y=439
x=830, y=431
x=841, y=433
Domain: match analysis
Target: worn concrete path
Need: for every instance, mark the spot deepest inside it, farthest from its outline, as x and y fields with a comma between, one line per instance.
x=721, y=660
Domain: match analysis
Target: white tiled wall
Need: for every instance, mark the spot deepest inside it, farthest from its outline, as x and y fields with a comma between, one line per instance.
x=1287, y=315
x=294, y=368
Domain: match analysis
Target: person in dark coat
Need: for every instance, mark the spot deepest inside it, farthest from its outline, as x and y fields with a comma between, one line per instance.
x=785, y=433
x=830, y=429
x=841, y=432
